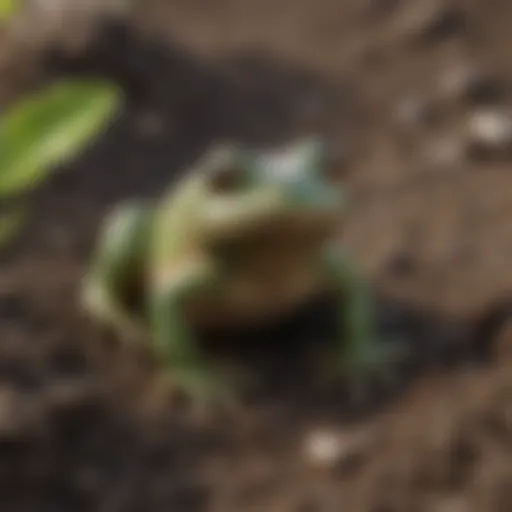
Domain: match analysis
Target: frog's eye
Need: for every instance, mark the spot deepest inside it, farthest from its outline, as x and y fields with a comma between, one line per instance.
x=225, y=178
x=222, y=167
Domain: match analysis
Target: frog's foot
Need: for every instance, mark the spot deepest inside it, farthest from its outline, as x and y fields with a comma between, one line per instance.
x=372, y=364
x=367, y=365
x=207, y=390
x=97, y=302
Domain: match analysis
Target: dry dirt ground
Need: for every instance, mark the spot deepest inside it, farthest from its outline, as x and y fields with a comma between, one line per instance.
x=83, y=423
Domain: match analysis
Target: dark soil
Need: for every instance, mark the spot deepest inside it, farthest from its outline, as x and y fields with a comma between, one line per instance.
x=84, y=423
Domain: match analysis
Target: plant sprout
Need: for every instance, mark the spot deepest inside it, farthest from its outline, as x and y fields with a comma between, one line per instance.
x=45, y=130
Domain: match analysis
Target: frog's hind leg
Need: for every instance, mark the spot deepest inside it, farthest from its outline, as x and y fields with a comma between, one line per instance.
x=117, y=263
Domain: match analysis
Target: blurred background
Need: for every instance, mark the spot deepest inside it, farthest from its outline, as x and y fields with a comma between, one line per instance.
x=416, y=96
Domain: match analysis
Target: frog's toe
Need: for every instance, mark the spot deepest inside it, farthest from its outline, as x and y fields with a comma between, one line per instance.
x=376, y=366
x=206, y=390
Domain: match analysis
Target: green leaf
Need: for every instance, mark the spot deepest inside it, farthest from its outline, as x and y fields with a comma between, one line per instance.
x=50, y=126
x=8, y=8
x=10, y=224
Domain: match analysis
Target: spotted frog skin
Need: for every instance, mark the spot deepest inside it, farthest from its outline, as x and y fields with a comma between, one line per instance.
x=243, y=238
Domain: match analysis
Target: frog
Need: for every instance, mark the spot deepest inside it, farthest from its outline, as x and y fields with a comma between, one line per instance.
x=244, y=237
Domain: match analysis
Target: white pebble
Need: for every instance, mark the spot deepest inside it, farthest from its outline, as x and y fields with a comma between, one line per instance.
x=491, y=129
x=325, y=447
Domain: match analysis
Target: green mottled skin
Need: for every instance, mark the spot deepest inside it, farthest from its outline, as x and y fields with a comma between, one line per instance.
x=221, y=254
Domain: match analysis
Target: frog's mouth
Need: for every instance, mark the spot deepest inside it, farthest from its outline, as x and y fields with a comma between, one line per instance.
x=308, y=226
x=279, y=238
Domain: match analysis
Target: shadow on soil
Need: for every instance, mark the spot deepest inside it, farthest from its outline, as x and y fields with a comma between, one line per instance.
x=287, y=356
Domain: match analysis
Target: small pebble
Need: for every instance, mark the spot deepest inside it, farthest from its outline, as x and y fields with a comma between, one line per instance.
x=432, y=20
x=324, y=447
x=490, y=130
x=328, y=448
x=466, y=81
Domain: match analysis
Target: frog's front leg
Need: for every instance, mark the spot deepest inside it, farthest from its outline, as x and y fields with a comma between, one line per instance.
x=363, y=354
x=175, y=341
x=118, y=258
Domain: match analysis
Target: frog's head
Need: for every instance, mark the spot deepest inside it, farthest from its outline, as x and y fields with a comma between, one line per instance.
x=304, y=177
